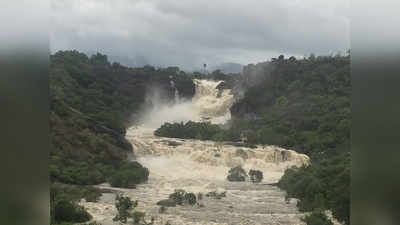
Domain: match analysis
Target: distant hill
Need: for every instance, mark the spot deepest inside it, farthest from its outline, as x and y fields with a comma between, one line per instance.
x=228, y=67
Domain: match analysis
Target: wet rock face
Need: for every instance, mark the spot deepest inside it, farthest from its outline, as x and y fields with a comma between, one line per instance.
x=167, y=203
x=237, y=174
x=120, y=139
x=223, y=85
x=241, y=153
x=185, y=87
x=172, y=143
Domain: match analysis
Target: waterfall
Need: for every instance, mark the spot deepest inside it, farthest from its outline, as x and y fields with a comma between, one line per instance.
x=176, y=92
x=213, y=105
x=208, y=104
x=202, y=166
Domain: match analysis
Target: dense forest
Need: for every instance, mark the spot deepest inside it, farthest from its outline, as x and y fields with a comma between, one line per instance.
x=91, y=104
x=303, y=105
x=299, y=104
x=321, y=186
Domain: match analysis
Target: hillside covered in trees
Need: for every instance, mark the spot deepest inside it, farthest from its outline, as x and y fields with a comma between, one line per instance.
x=299, y=104
x=91, y=105
x=303, y=105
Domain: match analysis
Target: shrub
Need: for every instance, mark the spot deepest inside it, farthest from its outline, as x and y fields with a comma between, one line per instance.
x=188, y=130
x=321, y=186
x=178, y=196
x=67, y=211
x=181, y=197
x=237, y=174
x=216, y=194
x=129, y=175
x=317, y=218
x=190, y=198
x=124, y=205
x=256, y=176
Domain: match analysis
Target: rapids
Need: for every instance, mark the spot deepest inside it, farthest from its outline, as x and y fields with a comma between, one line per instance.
x=201, y=167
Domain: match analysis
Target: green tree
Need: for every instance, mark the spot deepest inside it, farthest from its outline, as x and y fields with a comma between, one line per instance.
x=317, y=218
x=256, y=176
x=124, y=207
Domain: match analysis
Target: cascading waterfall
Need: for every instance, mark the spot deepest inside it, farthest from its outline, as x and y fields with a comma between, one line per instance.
x=208, y=104
x=212, y=104
x=176, y=92
x=202, y=166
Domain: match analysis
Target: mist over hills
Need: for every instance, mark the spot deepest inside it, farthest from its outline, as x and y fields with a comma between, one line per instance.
x=228, y=67
x=140, y=61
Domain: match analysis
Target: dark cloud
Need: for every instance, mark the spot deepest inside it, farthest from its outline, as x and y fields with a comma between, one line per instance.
x=190, y=33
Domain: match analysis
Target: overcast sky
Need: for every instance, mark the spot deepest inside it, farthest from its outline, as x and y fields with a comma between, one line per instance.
x=189, y=33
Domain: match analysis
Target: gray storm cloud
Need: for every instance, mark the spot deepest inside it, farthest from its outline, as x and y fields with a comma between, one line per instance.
x=190, y=33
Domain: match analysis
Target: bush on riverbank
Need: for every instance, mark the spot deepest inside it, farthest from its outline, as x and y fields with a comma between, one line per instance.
x=317, y=218
x=130, y=174
x=71, y=212
x=64, y=206
x=321, y=186
x=196, y=130
x=76, y=192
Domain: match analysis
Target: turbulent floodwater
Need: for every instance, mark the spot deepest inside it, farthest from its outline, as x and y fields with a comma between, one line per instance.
x=201, y=167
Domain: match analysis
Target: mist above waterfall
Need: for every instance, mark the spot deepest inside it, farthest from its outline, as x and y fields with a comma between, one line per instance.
x=208, y=104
